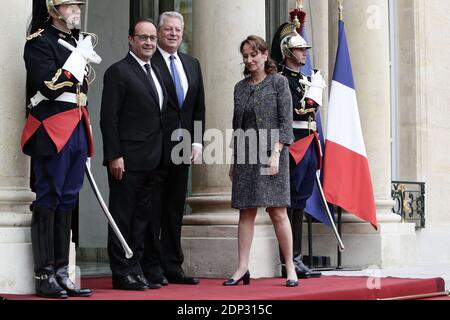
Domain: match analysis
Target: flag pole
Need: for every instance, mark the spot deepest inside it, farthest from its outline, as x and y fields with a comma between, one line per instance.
x=339, y=252
x=86, y=14
x=339, y=209
x=341, y=10
x=310, y=247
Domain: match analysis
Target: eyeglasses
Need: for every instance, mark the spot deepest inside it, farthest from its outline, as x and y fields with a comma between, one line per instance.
x=144, y=37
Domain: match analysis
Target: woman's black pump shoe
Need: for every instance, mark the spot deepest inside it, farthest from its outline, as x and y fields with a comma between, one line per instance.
x=245, y=278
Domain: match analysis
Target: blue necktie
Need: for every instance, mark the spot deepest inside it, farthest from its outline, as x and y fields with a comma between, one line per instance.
x=176, y=81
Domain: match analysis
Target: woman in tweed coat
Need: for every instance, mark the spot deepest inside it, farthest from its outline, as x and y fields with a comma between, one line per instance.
x=262, y=124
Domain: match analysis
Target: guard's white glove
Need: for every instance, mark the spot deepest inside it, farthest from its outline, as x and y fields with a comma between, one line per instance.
x=81, y=55
x=316, y=86
x=86, y=49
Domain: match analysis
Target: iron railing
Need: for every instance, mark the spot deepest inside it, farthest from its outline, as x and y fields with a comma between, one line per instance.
x=409, y=200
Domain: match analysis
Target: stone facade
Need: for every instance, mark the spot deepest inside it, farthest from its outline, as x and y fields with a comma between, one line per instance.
x=421, y=131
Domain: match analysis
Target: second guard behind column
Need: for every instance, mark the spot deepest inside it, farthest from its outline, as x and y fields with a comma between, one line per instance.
x=306, y=98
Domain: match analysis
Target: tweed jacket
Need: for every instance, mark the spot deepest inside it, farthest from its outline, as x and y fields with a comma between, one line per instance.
x=273, y=106
x=271, y=103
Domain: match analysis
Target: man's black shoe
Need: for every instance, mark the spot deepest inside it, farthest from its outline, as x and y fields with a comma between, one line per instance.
x=128, y=282
x=182, y=279
x=158, y=280
x=148, y=285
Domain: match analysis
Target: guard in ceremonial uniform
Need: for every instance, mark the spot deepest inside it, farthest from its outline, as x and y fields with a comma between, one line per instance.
x=56, y=135
x=306, y=97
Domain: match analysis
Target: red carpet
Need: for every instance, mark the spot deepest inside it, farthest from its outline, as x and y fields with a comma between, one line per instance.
x=324, y=288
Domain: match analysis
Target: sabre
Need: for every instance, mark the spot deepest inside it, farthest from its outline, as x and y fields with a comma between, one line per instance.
x=112, y=223
x=327, y=209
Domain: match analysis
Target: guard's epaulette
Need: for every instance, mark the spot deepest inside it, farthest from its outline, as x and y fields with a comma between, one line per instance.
x=35, y=35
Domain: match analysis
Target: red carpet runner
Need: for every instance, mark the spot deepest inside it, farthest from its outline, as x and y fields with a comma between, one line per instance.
x=324, y=288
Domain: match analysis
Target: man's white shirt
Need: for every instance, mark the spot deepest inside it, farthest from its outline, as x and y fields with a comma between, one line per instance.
x=179, y=66
x=155, y=78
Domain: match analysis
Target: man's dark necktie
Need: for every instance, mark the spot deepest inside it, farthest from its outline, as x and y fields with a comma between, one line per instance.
x=176, y=81
x=152, y=83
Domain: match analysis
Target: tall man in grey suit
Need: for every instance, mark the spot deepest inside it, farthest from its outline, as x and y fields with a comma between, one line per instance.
x=134, y=99
x=182, y=76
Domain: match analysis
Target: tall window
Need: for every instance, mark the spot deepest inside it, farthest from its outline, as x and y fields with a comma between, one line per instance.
x=276, y=14
x=185, y=8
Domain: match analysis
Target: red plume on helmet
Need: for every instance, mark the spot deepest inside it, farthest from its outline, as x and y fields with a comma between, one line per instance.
x=300, y=15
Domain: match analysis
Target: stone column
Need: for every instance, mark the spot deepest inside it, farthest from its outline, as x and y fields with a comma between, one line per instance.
x=424, y=113
x=318, y=34
x=16, y=264
x=367, y=30
x=210, y=233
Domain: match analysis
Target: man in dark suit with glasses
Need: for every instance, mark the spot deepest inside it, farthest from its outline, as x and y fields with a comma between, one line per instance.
x=133, y=102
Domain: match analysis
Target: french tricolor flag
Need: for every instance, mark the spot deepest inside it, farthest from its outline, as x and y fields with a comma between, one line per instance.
x=346, y=177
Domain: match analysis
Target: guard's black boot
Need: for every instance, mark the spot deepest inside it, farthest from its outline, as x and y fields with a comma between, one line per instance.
x=303, y=272
x=63, y=221
x=42, y=239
